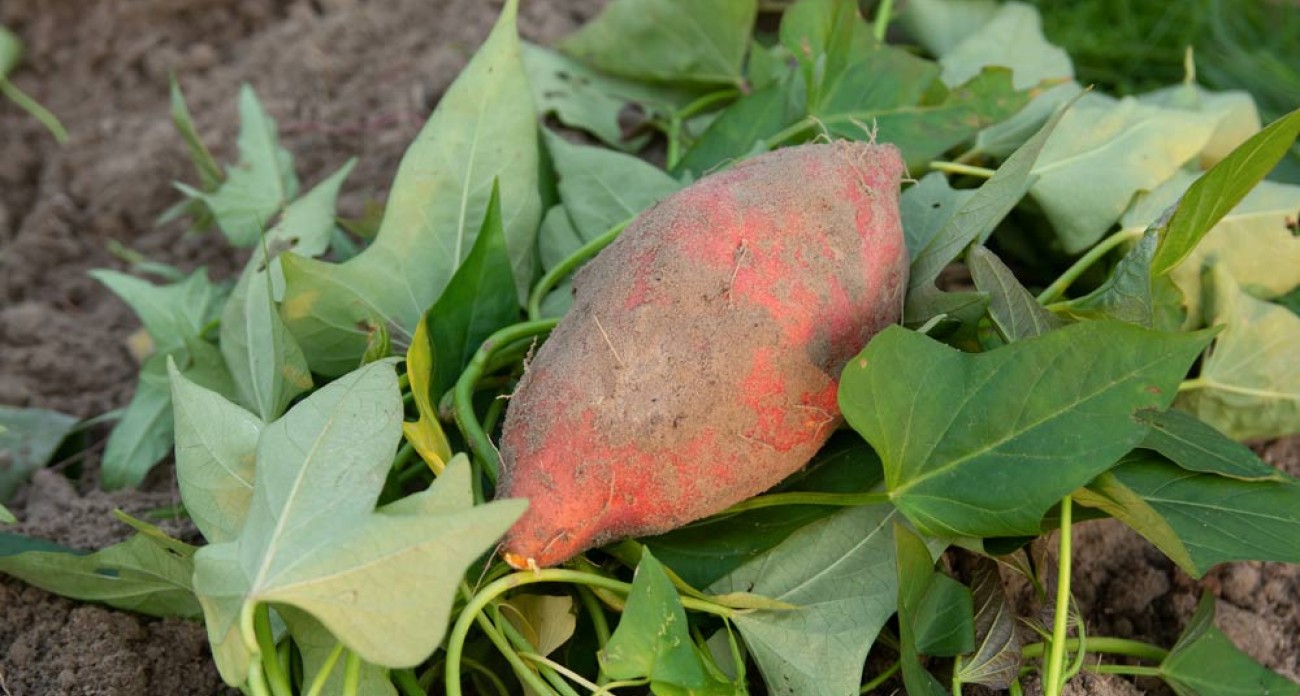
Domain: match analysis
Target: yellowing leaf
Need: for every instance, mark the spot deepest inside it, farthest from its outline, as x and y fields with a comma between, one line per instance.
x=426, y=434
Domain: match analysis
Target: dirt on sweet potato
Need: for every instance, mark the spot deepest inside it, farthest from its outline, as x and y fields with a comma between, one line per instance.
x=699, y=363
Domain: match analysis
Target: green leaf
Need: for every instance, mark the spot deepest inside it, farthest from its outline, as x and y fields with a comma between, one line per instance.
x=28, y=438
x=7, y=517
x=600, y=189
x=1030, y=422
x=170, y=313
x=1205, y=662
x=210, y=176
x=973, y=221
x=1002, y=138
x=1200, y=520
x=693, y=41
x=144, y=434
x=313, y=540
x=653, y=639
x=837, y=571
x=825, y=37
x=1196, y=446
x=265, y=361
x=926, y=207
x=481, y=132
x=915, y=577
x=1222, y=188
x=995, y=662
x=1011, y=38
x=703, y=552
x=739, y=130
x=1252, y=241
x=479, y=300
x=1015, y=312
x=136, y=575
x=927, y=130
x=216, y=443
x=944, y=622
x=263, y=182
x=587, y=99
x=1104, y=152
x=1249, y=385
x=1127, y=293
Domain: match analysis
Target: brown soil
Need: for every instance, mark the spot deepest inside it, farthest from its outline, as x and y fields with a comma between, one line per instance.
x=343, y=78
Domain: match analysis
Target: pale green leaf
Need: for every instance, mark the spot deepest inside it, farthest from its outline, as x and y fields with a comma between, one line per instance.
x=381, y=582
x=547, y=621
x=136, y=575
x=263, y=182
x=1251, y=241
x=205, y=164
x=216, y=443
x=315, y=643
x=693, y=41
x=1030, y=421
x=1249, y=385
x=1200, y=520
x=1011, y=38
x=1234, y=112
x=1002, y=138
x=1015, y=312
x=28, y=438
x=481, y=132
x=1222, y=188
x=1205, y=662
x=170, y=313
x=11, y=51
x=942, y=25
x=7, y=517
x=1103, y=153
x=265, y=361
x=839, y=574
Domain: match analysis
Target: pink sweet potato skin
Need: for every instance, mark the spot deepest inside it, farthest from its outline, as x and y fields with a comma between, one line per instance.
x=698, y=364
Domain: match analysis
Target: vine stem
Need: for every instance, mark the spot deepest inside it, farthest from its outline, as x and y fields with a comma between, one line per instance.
x=463, y=392
x=881, y=678
x=32, y=107
x=323, y=676
x=352, y=674
x=1111, y=646
x=474, y=608
x=270, y=658
x=1071, y=274
x=882, y=19
x=562, y=269
x=1052, y=680
x=960, y=168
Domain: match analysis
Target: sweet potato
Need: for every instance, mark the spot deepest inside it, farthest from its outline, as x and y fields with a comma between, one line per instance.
x=698, y=364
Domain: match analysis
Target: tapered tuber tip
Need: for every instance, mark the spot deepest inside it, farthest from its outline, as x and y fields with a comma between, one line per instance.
x=518, y=562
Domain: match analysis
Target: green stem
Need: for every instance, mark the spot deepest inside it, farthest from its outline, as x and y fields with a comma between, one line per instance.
x=599, y=624
x=1110, y=646
x=1052, y=680
x=881, y=678
x=480, y=601
x=491, y=676
x=528, y=651
x=257, y=679
x=38, y=112
x=270, y=658
x=322, y=677
x=1058, y=287
x=526, y=675
x=497, y=407
x=790, y=132
x=959, y=168
x=956, y=676
x=674, y=142
x=352, y=674
x=882, y=19
x=562, y=269
x=676, y=121
x=463, y=394
x=406, y=683
x=561, y=671
x=1130, y=670
x=808, y=498
x=1193, y=384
